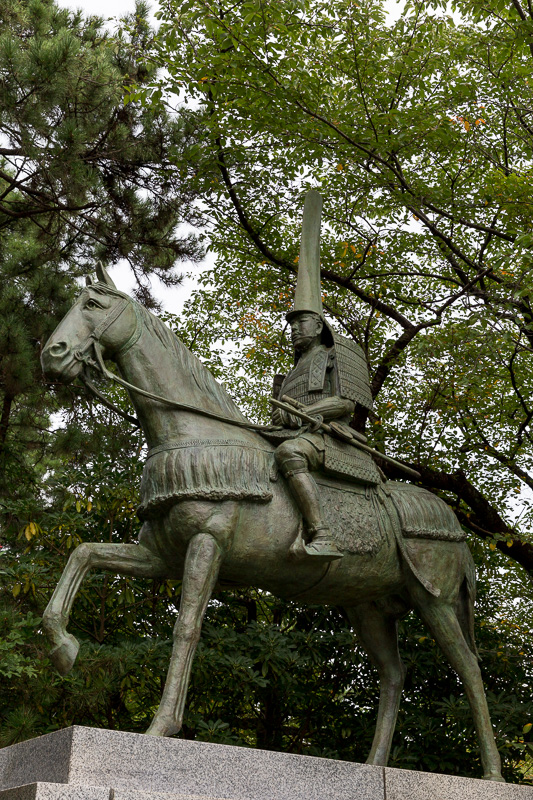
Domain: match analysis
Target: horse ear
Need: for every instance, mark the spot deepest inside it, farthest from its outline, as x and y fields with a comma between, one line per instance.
x=103, y=276
x=88, y=281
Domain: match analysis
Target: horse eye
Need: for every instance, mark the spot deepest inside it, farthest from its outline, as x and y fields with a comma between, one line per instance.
x=91, y=304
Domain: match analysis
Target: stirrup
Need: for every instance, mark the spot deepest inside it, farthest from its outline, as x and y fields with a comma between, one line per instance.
x=322, y=544
x=320, y=548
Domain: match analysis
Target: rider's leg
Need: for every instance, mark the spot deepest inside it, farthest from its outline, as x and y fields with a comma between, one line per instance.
x=293, y=460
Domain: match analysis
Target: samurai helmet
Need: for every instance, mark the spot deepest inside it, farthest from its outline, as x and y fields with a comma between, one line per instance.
x=308, y=296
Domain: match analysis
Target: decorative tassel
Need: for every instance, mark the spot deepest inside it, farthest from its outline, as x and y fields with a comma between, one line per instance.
x=207, y=472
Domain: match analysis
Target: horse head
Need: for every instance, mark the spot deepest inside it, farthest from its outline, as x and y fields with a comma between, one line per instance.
x=101, y=315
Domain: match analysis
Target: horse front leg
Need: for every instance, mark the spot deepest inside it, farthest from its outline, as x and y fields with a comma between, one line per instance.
x=126, y=559
x=202, y=565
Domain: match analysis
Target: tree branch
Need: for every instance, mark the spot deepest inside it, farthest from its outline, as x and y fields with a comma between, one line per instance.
x=4, y=419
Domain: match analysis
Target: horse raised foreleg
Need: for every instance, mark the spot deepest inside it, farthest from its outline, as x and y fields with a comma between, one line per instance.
x=442, y=620
x=378, y=634
x=127, y=559
x=202, y=565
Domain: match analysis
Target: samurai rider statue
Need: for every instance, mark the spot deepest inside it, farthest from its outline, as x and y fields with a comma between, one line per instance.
x=329, y=378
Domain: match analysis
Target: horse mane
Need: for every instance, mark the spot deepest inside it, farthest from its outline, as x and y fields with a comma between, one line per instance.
x=192, y=365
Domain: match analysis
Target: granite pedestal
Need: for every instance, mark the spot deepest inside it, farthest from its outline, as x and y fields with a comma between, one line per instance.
x=92, y=764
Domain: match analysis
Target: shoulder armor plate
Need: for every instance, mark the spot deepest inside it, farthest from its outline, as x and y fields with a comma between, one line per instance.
x=317, y=370
x=352, y=370
x=276, y=386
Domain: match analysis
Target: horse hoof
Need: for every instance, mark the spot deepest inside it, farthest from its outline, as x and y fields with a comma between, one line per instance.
x=494, y=776
x=162, y=727
x=64, y=655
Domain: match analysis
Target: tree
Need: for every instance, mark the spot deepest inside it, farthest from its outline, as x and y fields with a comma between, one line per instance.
x=267, y=674
x=83, y=176
x=78, y=182
x=418, y=134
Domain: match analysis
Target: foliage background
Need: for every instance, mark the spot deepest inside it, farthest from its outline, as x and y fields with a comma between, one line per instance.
x=426, y=262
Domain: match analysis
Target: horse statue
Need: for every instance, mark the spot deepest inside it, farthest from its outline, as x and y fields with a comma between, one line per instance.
x=214, y=510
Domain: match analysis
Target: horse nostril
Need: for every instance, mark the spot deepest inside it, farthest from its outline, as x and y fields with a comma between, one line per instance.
x=58, y=349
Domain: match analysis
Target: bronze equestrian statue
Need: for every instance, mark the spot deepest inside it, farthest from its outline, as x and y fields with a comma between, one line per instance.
x=215, y=508
x=330, y=376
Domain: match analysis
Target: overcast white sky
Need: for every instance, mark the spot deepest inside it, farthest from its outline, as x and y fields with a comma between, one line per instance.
x=117, y=8
x=172, y=299
x=103, y=8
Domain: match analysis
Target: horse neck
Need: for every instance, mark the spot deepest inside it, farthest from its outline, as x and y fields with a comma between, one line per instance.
x=169, y=370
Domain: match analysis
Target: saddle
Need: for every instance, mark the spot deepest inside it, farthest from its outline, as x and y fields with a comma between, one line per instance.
x=341, y=459
x=360, y=517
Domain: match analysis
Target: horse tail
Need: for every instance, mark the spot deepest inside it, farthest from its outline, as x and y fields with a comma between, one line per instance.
x=465, y=605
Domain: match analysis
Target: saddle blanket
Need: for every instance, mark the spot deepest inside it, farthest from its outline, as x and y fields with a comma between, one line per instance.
x=355, y=515
x=422, y=514
x=358, y=519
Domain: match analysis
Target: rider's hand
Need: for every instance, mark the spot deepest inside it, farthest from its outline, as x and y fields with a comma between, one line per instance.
x=278, y=417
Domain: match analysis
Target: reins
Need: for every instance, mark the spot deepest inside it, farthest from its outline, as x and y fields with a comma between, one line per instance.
x=93, y=340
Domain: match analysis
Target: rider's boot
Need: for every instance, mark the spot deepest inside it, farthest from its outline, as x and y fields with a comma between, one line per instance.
x=305, y=492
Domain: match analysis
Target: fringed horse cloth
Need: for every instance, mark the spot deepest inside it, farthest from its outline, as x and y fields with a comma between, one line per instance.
x=204, y=469
x=424, y=515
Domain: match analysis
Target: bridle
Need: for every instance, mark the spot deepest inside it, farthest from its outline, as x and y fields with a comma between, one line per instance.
x=81, y=354
x=92, y=342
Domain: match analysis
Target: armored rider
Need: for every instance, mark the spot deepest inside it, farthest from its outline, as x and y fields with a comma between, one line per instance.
x=329, y=378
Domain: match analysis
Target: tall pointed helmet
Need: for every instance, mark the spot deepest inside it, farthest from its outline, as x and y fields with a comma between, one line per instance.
x=308, y=295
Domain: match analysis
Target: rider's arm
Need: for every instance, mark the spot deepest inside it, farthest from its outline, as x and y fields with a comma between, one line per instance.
x=332, y=407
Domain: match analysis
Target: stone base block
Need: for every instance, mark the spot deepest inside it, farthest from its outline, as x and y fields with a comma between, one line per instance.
x=56, y=791
x=92, y=764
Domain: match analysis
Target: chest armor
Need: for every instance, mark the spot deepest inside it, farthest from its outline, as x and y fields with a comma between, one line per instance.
x=311, y=379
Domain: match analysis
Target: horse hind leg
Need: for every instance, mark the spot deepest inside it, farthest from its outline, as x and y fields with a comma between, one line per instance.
x=126, y=559
x=441, y=619
x=202, y=565
x=378, y=633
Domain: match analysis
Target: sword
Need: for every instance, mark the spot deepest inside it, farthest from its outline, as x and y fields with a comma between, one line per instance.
x=290, y=409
